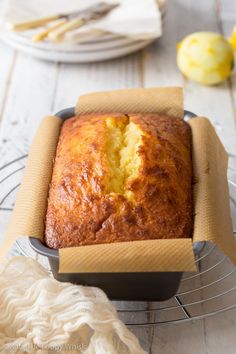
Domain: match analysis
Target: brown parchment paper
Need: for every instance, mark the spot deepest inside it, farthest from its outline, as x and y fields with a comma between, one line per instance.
x=211, y=194
x=165, y=100
x=31, y=203
x=153, y=255
x=135, y=256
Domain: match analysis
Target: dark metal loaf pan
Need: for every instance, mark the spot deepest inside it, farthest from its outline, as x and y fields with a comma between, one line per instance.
x=146, y=286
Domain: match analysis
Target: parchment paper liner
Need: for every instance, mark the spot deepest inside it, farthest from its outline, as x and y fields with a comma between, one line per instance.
x=211, y=197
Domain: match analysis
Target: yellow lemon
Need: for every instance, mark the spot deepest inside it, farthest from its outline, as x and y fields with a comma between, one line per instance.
x=205, y=57
x=232, y=39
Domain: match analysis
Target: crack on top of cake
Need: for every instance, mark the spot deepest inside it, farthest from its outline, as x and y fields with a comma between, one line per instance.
x=124, y=138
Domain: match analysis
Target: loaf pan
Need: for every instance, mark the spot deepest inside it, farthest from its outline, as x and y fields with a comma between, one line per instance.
x=145, y=286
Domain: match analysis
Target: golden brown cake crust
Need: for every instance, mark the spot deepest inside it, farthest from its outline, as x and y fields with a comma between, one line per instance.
x=81, y=208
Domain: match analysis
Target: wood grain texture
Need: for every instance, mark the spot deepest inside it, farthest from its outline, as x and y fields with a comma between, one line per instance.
x=7, y=62
x=31, y=89
x=226, y=12
x=75, y=80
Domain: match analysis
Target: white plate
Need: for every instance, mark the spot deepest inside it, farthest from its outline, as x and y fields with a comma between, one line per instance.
x=24, y=38
x=78, y=57
x=91, y=46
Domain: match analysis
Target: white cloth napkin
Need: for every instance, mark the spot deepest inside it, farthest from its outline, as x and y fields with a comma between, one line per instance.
x=136, y=19
x=41, y=315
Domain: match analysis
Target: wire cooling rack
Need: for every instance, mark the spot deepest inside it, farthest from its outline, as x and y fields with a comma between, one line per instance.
x=210, y=291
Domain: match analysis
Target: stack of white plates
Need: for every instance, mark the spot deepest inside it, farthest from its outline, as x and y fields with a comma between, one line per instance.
x=102, y=47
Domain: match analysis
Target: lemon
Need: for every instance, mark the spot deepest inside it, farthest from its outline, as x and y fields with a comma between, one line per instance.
x=205, y=57
x=232, y=39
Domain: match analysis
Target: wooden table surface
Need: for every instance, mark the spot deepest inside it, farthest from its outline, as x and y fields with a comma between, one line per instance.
x=31, y=89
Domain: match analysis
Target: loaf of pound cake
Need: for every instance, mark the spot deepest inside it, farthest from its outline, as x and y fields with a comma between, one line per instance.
x=120, y=177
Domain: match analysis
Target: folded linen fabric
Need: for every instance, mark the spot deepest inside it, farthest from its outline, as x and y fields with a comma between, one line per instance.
x=41, y=315
x=136, y=19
